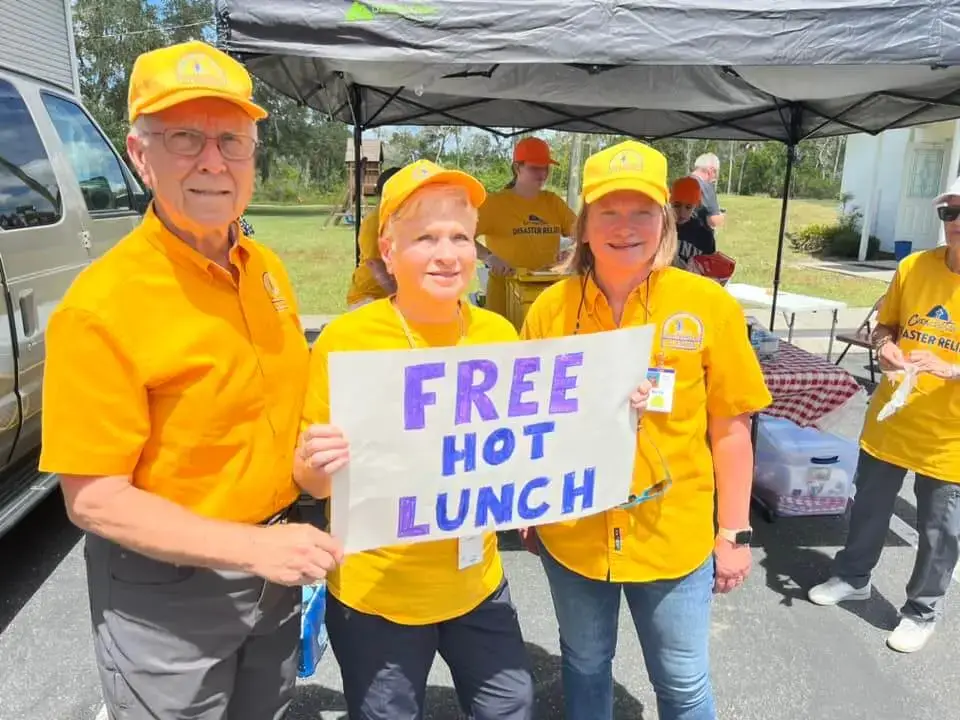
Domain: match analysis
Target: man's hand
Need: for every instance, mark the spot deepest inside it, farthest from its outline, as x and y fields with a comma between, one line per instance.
x=733, y=565
x=497, y=266
x=294, y=554
x=926, y=361
x=323, y=448
x=891, y=357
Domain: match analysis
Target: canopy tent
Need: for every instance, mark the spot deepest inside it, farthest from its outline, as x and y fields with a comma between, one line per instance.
x=783, y=70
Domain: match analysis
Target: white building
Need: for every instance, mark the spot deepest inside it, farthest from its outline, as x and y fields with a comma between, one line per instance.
x=893, y=177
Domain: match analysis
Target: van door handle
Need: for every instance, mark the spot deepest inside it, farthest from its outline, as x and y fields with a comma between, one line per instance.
x=28, y=312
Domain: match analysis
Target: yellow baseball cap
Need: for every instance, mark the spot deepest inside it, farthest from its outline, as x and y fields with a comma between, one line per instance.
x=629, y=165
x=169, y=76
x=414, y=176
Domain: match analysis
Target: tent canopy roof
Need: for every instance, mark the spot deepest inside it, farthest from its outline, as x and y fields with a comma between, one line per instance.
x=726, y=69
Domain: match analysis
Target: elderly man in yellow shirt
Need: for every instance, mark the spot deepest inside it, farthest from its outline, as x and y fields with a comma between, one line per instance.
x=175, y=376
x=917, y=328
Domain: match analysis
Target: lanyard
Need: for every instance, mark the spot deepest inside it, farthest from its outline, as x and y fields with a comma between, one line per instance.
x=406, y=328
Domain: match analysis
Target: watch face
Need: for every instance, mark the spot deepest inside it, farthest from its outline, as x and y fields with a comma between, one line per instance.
x=744, y=537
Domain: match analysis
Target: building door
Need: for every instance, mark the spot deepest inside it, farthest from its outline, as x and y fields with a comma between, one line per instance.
x=923, y=177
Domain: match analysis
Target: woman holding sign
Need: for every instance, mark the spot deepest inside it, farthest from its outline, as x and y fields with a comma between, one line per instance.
x=660, y=549
x=391, y=610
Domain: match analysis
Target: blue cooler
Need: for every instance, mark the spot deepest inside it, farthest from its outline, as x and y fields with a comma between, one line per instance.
x=902, y=248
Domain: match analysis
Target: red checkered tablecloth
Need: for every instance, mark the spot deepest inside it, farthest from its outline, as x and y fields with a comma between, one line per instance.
x=805, y=387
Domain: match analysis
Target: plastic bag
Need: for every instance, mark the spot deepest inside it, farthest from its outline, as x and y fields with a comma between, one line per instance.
x=313, y=631
x=899, y=398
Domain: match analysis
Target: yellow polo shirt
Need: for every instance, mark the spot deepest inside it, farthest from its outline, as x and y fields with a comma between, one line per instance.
x=160, y=366
x=415, y=584
x=525, y=233
x=700, y=334
x=923, y=301
x=363, y=284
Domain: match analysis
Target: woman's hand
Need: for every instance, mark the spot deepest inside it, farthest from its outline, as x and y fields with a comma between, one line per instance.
x=926, y=361
x=641, y=396
x=324, y=448
x=732, y=565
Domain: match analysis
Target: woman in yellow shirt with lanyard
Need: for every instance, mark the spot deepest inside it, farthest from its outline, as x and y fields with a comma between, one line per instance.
x=370, y=280
x=660, y=550
x=390, y=610
x=522, y=224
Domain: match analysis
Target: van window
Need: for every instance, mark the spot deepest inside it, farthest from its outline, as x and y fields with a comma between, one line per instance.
x=29, y=194
x=93, y=160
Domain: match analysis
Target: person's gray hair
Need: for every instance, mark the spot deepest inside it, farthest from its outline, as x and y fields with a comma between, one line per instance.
x=707, y=161
x=139, y=127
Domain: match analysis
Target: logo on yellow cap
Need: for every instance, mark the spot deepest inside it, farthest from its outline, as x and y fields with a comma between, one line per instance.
x=627, y=161
x=199, y=69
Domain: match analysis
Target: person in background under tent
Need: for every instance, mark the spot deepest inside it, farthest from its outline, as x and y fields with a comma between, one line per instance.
x=693, y=237
x=370, y=280
x=521, y=225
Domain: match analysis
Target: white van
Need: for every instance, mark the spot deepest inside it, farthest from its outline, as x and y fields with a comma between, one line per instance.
x=66, y=196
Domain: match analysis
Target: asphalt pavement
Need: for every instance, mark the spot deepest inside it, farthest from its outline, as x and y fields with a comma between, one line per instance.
x=775, y=655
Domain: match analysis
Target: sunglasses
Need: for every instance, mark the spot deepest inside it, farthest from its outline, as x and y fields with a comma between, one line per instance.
x=948, y=213
x=656, y=490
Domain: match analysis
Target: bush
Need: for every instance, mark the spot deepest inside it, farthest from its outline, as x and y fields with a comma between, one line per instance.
x=840, y=239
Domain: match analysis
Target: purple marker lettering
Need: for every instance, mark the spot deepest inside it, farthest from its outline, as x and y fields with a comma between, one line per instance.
x=562, y=383
x=415, y=399
x=407, y=519
x=520, y=385
x=473, y=393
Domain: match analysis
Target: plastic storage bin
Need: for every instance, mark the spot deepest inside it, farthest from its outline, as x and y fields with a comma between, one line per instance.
x=523, y=287
x=802, y=471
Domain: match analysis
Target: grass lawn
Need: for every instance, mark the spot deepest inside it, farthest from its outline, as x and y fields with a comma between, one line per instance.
x=320, y=260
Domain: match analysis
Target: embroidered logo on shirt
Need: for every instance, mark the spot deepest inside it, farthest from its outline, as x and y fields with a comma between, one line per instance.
x=682, y=331
x=273, y=290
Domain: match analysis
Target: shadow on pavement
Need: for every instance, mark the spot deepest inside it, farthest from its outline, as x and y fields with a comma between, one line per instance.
x=793, y=563
x=31, y=552
x=442, y=704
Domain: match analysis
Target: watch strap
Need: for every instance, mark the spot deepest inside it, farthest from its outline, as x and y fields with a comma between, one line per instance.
x=742, y=536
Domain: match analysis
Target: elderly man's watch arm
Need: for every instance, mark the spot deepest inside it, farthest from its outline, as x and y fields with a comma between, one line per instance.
x=733, y=467
x=111, y=507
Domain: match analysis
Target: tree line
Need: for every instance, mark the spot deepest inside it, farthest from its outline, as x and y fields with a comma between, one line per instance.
x=302, y=153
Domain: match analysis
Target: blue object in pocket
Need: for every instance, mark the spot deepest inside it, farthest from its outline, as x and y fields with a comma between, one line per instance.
x=313, y=631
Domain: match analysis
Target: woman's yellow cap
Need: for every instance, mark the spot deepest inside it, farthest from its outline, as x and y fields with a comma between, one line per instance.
x=629, y=165
x=411, y=178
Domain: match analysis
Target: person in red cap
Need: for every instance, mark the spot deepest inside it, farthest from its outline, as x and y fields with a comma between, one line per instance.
x=694, y=237
x=521, y=225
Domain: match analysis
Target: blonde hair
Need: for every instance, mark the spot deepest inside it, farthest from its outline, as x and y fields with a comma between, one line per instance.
x=426, y=194
x=583, y=262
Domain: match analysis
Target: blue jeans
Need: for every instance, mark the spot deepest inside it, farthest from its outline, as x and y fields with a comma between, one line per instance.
x=672, y=618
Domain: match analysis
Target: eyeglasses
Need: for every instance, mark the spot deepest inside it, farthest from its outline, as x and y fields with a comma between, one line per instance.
x=948, y=213
x=190, y=143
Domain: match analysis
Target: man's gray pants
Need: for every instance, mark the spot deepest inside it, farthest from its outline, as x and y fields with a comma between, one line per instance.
x=938, y=524
x=182, y=642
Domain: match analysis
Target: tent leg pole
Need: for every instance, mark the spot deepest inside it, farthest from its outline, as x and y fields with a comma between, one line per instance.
x=791, y=156
x=358, y=170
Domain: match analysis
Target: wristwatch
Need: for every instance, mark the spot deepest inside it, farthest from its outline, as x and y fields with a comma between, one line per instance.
x=737, y=537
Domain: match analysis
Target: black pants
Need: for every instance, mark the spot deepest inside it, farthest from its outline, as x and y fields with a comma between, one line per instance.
x=938, y=524
x=384, y=665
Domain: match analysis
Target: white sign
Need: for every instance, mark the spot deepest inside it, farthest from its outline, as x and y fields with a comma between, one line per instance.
x=449, y=442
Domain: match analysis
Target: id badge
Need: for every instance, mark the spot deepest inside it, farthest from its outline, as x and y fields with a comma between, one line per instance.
x=661, y=396
x=471, y=551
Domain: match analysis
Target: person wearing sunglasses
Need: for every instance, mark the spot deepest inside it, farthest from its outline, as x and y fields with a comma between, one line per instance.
x=660, y=549
x=916, y=332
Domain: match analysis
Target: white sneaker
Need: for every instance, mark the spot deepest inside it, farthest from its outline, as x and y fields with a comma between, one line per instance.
x=836, y=590
x=910, y=635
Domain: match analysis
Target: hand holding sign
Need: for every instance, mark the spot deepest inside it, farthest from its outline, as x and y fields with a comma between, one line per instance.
x=454, y=442
x=324, y=448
